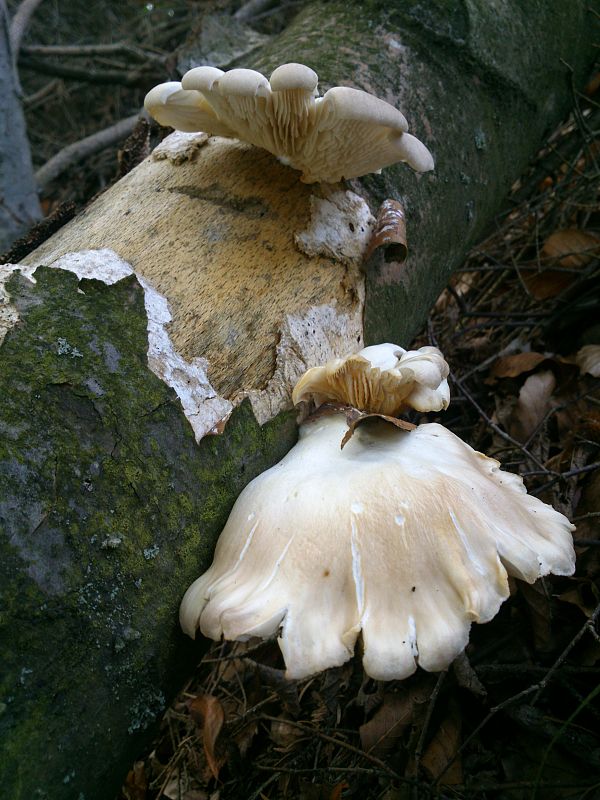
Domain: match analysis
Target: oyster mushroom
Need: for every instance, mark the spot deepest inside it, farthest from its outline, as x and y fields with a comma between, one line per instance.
x=382, y=379
x=405, y=538
x=344, y=134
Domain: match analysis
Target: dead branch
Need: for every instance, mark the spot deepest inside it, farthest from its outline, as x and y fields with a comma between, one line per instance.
x=136, y=77
x=20, y=23
x=84, y=148
x=250, y=9
x=90, y=50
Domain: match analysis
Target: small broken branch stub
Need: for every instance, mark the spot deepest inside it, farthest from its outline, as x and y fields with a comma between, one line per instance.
x=389, y=233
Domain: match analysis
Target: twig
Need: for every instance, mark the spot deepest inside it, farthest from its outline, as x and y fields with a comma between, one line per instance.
x=20, y=23
x=564, y=475
x=251, y=8
x=423, y=734
x=341, y=743
x=89, y=50
x=497, y=429
x=136, y=77
x=492, y=713
x=84, y=148
x=589, y=625
x=33, y=99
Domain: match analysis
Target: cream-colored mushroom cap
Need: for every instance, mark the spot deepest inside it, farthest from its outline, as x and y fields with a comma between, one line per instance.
x=293, y=76
x=183, y=109
x=345, y=134
x=406, y=538
x=382, y=379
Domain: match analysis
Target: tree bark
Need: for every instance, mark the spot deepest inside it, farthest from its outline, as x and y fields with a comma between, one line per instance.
x=19, y=204
x=110, y=499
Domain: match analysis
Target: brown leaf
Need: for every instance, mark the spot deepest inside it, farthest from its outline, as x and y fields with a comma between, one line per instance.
x=380, y=734
x=389, y=232
x=592, y=85
x=514, y=365
x=466, y=675
x=336, y=792
x=354, y=417
x=442, y=749
x=570, y=248
x=136, y=783
x=207, y=712
x=533, y=404
x=285, y=735
x=539, y=611
x=584, y=596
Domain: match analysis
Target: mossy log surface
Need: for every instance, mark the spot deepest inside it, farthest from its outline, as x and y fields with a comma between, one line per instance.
x=480, y=83
x=108, y=510
x=108, y=506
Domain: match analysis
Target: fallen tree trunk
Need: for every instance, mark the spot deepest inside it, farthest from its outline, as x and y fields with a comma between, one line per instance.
x=111, y=494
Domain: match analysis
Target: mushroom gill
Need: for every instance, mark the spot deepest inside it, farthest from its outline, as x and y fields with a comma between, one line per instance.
x=344, y=134
x=381, y=379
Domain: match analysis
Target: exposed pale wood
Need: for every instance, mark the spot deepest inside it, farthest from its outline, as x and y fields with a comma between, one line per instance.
x=215, y=235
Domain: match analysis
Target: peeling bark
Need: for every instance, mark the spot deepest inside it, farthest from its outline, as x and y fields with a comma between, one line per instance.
x=109, y=507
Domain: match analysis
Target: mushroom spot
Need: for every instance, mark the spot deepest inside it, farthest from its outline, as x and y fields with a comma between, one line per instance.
x=326, y=573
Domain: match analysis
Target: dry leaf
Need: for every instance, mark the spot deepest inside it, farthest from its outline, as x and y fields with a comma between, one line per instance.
x=245, y=737
x=584, y=596
x=207, y=712
x=136, y=783
x=354, y=417
x=442, y=749
x=380, y=734
x=533, y=404
x=466, y=675
x=514, y=365
x=176, y=786
x=570, y=248
x=539, y=611
x=285, y=735
x=337, y=790
x=592, y=85
x=588, y=359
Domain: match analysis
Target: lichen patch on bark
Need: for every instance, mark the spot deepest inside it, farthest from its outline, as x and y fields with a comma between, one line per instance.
x=9, y=315
x=180, y=147
x=340, y=226
x=307, y=340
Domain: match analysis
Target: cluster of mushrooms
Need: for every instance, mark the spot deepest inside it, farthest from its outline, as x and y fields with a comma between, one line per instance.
x=344, y=134
x=400, y=534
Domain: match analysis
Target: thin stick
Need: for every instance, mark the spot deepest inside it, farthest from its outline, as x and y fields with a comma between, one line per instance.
x=73, y=153
x=423, y=734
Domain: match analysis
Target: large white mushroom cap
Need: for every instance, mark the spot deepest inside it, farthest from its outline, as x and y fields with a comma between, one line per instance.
x=406, y=538
x=382, y=379
x=344, y=134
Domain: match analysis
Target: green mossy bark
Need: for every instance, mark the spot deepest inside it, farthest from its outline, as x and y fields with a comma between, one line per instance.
x=480, y=83
x=108, y=510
